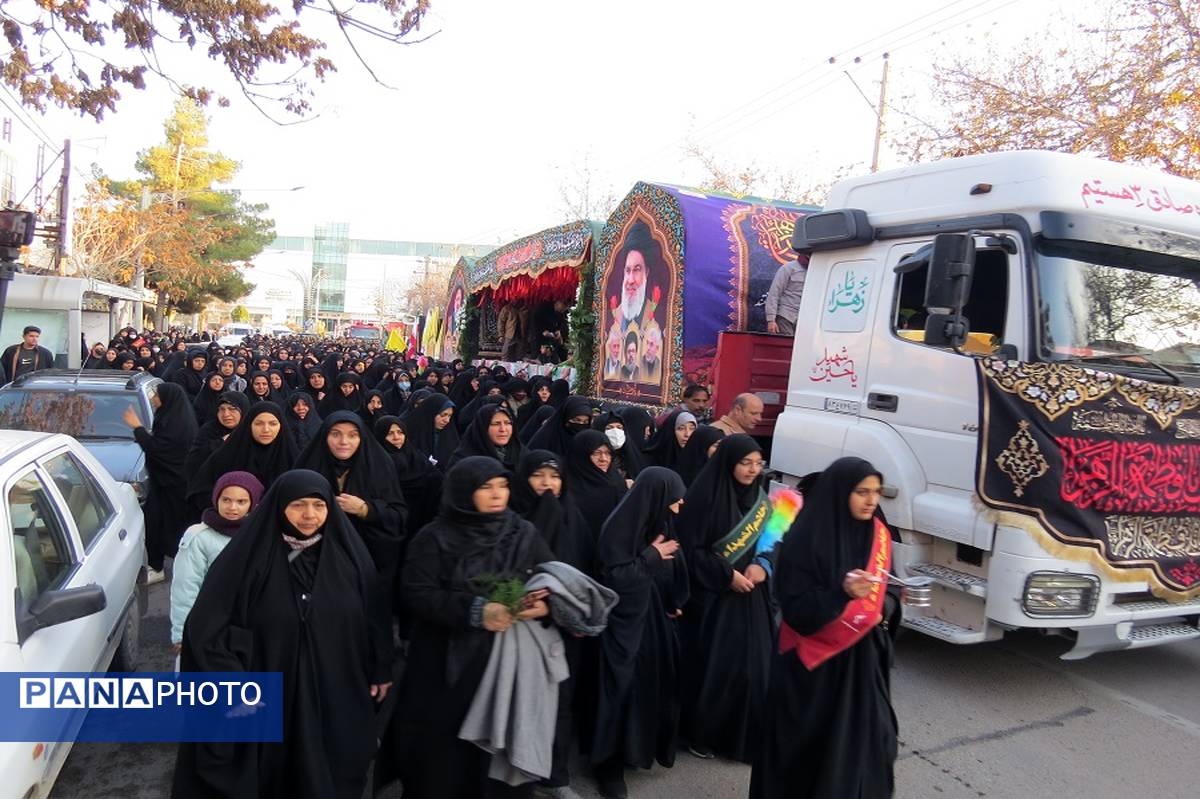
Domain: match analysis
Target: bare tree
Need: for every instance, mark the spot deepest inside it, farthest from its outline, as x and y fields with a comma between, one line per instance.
x=582, y=194
x=752, y=179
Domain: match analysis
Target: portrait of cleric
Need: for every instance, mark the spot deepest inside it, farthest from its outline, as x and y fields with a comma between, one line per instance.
x=637, y=278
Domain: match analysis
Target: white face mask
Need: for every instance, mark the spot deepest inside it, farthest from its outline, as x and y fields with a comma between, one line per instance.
x=615, y=436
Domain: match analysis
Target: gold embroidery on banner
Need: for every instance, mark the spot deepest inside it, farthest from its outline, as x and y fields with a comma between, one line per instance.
x=1187, y=428
x=1163, y=403
x=1148, y=537
x=1022, y=461
x=1128, y=424
x=1053, y=388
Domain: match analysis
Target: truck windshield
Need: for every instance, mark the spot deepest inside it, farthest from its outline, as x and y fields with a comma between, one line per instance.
x=1117, y=315
x=82, y=416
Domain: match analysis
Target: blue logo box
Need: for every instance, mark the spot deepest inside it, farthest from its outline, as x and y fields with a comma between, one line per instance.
x=141, y=707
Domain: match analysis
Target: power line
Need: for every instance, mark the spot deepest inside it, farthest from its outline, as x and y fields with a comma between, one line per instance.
x=37, y=130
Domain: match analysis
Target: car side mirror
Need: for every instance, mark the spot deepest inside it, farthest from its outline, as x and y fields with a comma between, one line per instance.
x=59, y=607
x=951, y=267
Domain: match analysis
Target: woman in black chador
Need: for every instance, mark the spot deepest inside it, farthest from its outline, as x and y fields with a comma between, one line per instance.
x=230, y=409
x=637, y=716
x=540, y=494
x=492, y=434
x=294, y=592
x=166, y=449
x=830, y=731
x=474, y=536
x=365, y=485
x=596, y=486
x=431, y=428
x=420, y=483
x=729, y=631
x=261, y=445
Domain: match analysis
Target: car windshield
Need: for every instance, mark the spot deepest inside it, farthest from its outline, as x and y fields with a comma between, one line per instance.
x=1120, y=315
x=80, y=415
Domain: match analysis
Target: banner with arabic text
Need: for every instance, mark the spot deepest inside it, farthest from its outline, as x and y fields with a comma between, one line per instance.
x=1108, y=466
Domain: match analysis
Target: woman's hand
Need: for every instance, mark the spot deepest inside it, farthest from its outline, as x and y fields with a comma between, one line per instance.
x=379, y=691
x=678, y=614
x=538, y=609
x=131, y=418
x=666, y=549
x=756, y=574
x=351, y=504
x=496, y=618
x=176, y=648
x=741, y=583
x=857, y=583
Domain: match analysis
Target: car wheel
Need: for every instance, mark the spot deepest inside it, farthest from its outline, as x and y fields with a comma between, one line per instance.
x=126, y=656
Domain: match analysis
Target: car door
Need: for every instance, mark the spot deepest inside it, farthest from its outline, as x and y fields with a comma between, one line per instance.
x=47, y=557
x=107, y=557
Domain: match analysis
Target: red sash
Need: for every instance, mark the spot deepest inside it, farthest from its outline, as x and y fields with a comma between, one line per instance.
x=856, y=620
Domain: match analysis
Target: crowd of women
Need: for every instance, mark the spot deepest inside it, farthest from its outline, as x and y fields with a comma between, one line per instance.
x=350, y=513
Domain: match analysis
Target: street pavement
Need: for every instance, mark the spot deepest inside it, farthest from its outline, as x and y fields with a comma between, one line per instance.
x=1006, y=719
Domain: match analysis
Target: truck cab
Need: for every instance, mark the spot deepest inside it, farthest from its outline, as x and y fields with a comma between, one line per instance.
x=1053, y=258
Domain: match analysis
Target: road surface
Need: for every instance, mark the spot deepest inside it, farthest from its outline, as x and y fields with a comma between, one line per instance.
x=1000, y=720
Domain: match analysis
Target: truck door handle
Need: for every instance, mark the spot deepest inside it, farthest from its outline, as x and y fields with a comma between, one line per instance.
x=888, y=403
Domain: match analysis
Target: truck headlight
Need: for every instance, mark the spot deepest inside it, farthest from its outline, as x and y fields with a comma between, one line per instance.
x=1060, y=595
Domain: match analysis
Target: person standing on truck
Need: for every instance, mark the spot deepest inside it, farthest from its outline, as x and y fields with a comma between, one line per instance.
x=745, y=415
x=26, y=357
x=783, y=298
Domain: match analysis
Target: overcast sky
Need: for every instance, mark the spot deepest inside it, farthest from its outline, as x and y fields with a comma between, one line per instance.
x=490, y=117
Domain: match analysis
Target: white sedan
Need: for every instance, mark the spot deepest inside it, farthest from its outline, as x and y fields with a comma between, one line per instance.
x=71, y=550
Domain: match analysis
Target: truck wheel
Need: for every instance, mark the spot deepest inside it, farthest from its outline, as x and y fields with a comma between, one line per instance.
x=126, y=656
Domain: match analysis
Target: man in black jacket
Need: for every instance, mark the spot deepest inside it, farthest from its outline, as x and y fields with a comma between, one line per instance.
x=27, y=356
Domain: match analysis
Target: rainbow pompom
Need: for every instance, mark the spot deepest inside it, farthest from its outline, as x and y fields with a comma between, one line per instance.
x=785, y=506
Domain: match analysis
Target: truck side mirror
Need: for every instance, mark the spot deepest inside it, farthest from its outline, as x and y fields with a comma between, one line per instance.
x=951, y=266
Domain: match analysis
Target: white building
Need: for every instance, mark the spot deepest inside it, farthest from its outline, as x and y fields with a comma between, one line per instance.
x=349, y=279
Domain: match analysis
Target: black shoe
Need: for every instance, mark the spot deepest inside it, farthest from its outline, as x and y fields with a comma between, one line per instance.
x=611, y=782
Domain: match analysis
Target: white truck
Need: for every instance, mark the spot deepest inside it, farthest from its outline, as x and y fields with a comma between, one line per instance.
x=1051, y=268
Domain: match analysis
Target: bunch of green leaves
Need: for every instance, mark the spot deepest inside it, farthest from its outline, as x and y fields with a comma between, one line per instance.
x=507, y=591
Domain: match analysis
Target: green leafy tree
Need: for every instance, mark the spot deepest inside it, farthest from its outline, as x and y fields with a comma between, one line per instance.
x=198, y=260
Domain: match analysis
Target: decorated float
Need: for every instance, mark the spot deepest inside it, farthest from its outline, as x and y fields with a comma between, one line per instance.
x=674, y=267
x=535, y=270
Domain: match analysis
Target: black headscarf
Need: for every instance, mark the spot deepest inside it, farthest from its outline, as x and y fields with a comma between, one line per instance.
x=476, y=441
x=421, y=433
x=253, y=395
x=715, y=502
x=303, y=430
x=555, y=435
x=370, y=476
x=205, y=404
x=336, y=401
x=241, y=453
x=174, y=430
x=248, y=618
x=420, y=483
x=643, y=515
x=559, y=391
x=825, y=542
x=557, y=518
x=414, y=400
x=631, y=457
x=190, y=379
x=636, y=419
x=664, y=449
x=596, y=493
x=695, y=454
x=461, y=391
x=535, y=423
x=211, y=434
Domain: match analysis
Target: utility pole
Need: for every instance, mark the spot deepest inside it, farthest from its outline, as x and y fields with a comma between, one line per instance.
x=62, y=247
x=139, y=271
x=879, y=114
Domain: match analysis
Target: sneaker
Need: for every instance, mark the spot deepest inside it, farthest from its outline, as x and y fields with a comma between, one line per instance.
x=155, y=576
x=558, y=792
x=702, y=752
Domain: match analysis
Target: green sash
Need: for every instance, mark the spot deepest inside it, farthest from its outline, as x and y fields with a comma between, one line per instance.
x=745, y=533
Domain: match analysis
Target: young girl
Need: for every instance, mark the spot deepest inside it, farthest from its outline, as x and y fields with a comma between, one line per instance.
x=233, y=497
